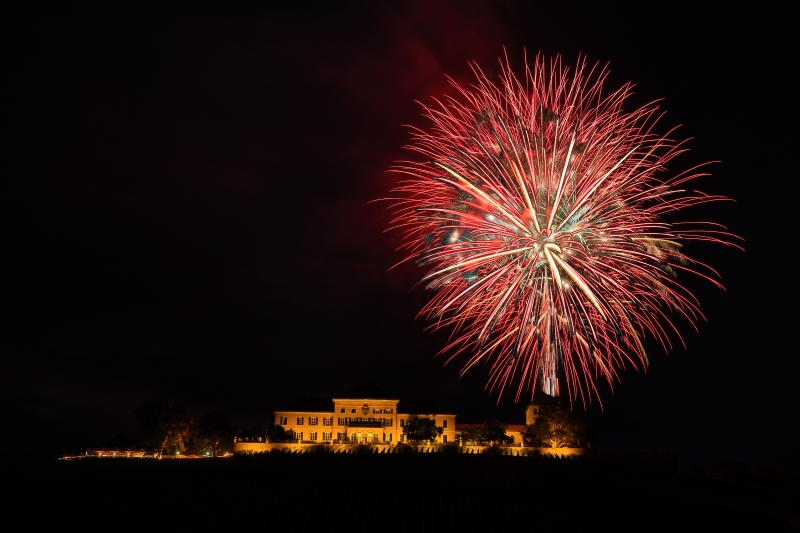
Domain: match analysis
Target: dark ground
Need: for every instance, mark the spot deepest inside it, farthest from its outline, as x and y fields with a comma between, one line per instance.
x=409, y=492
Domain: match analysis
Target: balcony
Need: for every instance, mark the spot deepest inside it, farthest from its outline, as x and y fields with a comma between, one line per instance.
x=365, y=424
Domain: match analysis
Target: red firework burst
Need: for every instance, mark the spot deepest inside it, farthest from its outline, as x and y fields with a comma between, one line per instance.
x=539, y=211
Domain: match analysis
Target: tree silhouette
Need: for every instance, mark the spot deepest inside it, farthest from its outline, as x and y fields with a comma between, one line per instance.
x=164, y=425
x=419, y=428
x=212, y=433
x=555, y=427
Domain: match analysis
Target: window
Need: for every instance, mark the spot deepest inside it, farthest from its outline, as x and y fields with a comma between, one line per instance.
x=299, y=420
x=341, y=436
x=342, y=421
x=377, y=411
x=312, y=421
x=375, y=438
x=312, y=435
x=298, y=435
x=444, y=438
x=328, y=421
x=387, y=411
x=326, y=437
x=352, y=411
x=444, y=424
x=284, y=420
x=341, y=410
x=402, y=422
x=353, y=438
x=387, y=437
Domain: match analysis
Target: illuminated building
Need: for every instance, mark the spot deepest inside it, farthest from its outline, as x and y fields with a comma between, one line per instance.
x=365, y=414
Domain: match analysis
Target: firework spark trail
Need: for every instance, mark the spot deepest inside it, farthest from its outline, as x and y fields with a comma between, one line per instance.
x=537, y=210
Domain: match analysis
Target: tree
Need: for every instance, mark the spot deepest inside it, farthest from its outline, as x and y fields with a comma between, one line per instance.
x=492, y=432
x=419, y=428
x=555, y=427
x=212, y=433
x=164, y=425
x=473, y=435
x=495, y=433
x=279, y=434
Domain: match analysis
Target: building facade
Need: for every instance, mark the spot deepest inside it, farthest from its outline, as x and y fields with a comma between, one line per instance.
x=363, y=415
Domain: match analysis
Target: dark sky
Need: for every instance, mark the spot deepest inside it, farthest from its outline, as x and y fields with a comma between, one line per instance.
x=185, y=211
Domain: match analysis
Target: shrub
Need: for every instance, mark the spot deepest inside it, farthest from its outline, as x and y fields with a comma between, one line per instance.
x=450, y=447
x=320, y=448
x=493, y=450
x=362, y=448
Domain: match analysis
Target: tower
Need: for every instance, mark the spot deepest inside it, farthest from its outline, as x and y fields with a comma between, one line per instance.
x=531, y=412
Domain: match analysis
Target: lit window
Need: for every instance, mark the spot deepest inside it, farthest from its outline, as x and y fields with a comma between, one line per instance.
x=299, y=420
x=312, y=435
x=327, y=421
x=312, y=421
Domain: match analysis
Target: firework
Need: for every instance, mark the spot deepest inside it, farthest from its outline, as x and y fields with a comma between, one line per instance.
x=538, y=209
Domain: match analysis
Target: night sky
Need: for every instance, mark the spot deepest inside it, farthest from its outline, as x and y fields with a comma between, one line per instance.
x=185, y=211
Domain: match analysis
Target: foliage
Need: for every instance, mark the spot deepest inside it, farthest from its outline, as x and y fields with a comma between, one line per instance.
x=362, y=448
x=555, y=427
x=279, y=434
x=449, y=447
x=402, y=447
x=420, y=428
x=164, y=425
x=494, y=449
x=212, y=433
x=320, y=448
x=492, y=432
x=495, y=433
x=473, y=435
